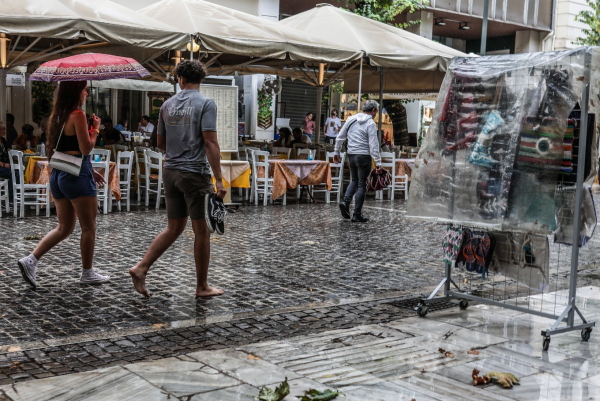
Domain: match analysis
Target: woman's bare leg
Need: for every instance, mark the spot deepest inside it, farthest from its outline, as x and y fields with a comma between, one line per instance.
x=66, y=223
x=86, y=209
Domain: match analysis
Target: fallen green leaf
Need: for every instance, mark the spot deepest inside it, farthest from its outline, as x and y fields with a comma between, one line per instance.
x=268, y=394
x=315, y=395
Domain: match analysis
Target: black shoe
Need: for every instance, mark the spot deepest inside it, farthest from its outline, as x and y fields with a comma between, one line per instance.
x=215, y=214
x=344, y=208
x=359, y=218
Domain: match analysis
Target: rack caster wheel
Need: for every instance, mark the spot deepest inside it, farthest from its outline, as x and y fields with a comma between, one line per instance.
x=463, y=304
x=546, y=343
x=585, y=334
x=422, y=310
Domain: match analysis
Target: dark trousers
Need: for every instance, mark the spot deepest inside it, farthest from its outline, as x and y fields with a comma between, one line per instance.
x=330, y=139
x=6, y=174
x=360, y=167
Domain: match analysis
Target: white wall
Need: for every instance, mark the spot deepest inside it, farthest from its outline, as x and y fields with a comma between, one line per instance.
x=567, y=29
x=413, y=114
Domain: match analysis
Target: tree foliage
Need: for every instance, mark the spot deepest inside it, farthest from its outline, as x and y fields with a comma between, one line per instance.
x=386, y=10
x=592, y=19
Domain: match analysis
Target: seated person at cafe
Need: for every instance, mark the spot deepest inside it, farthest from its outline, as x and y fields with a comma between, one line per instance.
x=26, y=136
x=5, y=171
x=145, y=126
x=299, y=137
x=285, y=138
x=110, y=134
x=122, y=125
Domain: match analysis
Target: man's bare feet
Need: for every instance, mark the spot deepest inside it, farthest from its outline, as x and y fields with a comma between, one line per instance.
x=208, y=291
x=139, y=281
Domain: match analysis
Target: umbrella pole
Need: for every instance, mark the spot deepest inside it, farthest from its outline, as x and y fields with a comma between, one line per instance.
x=380, y=104
x=360, y=83
x=192, y=48
x=92, y=92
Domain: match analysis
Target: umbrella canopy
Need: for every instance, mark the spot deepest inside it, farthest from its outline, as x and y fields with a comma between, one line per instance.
x=224, y=30
x=98, y=20
x=90, y=66
x=385, y=45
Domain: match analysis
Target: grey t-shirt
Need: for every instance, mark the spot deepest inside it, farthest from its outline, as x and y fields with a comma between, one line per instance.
x=182, y=119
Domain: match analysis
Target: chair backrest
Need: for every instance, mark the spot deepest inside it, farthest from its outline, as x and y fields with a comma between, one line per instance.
x=316, y=148
x=282, y=151
x=104, y=153
x=153, y=160
x=340, y=165
x=15, y=157
x=106, y=166
x=249, y=151
x=124, y=165
x=388, y=159
x=305, y=152
x=139, y=157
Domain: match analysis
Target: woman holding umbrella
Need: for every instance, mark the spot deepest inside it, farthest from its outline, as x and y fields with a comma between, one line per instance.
x=75, y=195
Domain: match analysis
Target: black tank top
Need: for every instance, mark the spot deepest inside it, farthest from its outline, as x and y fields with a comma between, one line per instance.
x=67, y=143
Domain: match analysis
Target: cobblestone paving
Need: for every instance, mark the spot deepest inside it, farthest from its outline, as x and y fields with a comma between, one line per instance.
x=271, y=257
x=90, y=355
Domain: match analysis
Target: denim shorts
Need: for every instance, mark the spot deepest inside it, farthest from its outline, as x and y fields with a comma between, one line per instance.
x=65, y=185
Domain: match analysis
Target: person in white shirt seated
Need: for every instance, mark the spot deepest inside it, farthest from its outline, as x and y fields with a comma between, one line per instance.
x=332, y=127
x=145, y=127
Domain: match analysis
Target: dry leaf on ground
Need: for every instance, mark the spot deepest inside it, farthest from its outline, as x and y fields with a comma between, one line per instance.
x=250, y=356
x=473, y=352
x=268, y=394
x=506, y=380
x=315, y=395
x=476, y=378
x=447, y=354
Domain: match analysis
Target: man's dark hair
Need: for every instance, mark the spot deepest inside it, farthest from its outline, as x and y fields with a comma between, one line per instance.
x=10, y=118
x=193, y=71
x=297, y=130
x=27, y=129
x=146, y=118
x=107, y=120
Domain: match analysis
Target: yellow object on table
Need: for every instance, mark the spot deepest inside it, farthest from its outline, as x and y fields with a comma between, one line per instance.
x=30, y=165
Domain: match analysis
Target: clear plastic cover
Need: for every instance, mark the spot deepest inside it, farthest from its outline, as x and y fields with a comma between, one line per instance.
x=493, y=155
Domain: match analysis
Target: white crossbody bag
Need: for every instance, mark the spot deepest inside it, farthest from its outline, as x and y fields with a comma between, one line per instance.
x=64, y=162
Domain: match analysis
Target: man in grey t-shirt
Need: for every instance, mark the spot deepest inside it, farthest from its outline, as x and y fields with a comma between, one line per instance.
x=187, y=126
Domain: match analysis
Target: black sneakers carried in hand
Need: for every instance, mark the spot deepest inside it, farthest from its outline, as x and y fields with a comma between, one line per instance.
x=215, y=214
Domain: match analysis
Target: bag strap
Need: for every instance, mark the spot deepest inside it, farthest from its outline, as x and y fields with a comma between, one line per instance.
x=60, y=136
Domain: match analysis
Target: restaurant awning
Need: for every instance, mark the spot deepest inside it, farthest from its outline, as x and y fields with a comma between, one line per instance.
x=98, y=20
x=412, y=63
x=223, y=30
x=385, y=45
x=134, y=84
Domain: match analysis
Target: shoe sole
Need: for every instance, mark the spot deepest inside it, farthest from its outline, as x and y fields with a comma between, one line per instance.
x=94, y=282
x=217, y=229
x=211, y=229
x=344, y=211
x=26, y=276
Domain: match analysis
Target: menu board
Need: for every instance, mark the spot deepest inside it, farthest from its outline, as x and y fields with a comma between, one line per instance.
x=227, y=125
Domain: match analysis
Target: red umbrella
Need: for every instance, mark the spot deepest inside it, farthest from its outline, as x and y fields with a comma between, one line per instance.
x=89, y=67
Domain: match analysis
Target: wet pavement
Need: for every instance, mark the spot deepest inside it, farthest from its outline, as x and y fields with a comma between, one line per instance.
x=271, y=257
x=286, y=271
x=396, y=359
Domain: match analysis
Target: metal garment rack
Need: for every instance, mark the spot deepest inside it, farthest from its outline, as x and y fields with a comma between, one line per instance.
x=448, y=285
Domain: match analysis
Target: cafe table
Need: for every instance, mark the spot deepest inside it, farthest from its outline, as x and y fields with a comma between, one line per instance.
x=289, y=174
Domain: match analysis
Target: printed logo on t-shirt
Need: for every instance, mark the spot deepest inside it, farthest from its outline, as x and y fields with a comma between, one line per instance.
x=180, y=116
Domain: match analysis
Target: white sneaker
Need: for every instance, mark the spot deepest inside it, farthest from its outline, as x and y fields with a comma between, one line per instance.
x=93, y=276
x=28, y=267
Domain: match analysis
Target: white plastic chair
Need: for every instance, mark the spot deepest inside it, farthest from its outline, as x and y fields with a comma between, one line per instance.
x=153, y=161
x=305, y=152
x=139, y=162
x=337, y=173
x=388, y=159
x=22, y=191
x=124, y=167
x=248, y=151
x=400, y=183
x=262, y=185
x=105, y=193
x=104, y=154
x=4, y=196
x=282, y=151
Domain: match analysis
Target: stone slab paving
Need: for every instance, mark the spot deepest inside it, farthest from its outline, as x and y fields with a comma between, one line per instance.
x=393, y=360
